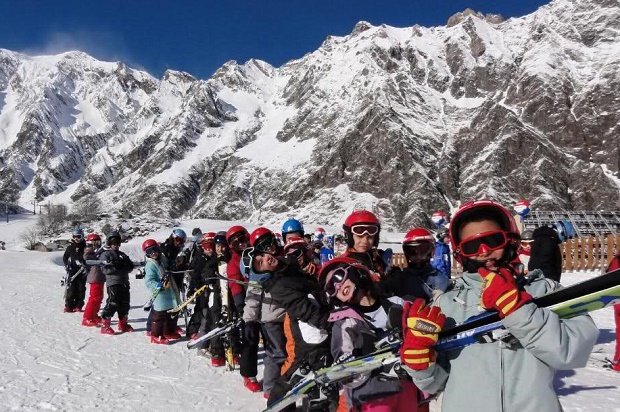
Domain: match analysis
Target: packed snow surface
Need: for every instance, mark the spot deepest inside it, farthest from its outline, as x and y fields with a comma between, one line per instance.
x=49, y=362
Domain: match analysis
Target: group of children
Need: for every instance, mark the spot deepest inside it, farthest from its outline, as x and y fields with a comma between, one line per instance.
x=312, y=313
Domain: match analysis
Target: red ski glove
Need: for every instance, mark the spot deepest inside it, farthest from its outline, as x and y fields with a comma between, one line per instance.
x=500, y=292
x=421, y=325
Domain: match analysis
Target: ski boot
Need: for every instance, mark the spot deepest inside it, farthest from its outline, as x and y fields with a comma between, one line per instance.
x=90, y=322
x=217, y=361
x=106, y=329
x=252, y=384
x=159, y=340
x=123, y=326
x=172, y=336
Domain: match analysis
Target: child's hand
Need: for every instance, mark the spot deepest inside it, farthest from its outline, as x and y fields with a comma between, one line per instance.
x=500, y=292
x=421, y=325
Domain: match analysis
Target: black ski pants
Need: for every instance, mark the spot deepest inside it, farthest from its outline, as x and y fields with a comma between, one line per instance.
x=117, y=302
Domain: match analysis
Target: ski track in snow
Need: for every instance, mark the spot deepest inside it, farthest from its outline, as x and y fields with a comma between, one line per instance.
x=50, y=362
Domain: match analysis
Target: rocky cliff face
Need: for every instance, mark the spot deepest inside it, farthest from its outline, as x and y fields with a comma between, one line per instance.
x=406, y=120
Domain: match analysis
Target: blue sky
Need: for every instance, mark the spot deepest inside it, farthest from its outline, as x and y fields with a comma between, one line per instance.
x=199, y=36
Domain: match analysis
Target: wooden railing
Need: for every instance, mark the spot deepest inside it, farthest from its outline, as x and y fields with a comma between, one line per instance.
x=584, y=253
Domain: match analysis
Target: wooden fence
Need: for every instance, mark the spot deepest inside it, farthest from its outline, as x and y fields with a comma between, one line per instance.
x=584, y=253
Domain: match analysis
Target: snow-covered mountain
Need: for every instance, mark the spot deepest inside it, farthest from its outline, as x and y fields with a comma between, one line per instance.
x=406, y=120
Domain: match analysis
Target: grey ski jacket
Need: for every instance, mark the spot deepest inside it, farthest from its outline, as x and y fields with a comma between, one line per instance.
x=507, y=377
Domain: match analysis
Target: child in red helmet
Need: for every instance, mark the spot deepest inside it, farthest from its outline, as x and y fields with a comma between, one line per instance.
x=419, y=279
x=96, y=280
x=507, y=374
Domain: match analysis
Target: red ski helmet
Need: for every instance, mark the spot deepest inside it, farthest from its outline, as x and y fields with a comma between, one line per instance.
x=486, y=209
x=418, y=246
x=418, y=234
x=92, y=237
x=234, y=235
x=360, y=218
x=148, y=243
x=208, y=236
x=262, y=239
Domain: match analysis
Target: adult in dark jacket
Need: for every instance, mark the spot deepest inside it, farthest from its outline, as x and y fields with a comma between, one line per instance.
x=306, y=324
x=116, y=270
x=74, y=263
x=546, y=254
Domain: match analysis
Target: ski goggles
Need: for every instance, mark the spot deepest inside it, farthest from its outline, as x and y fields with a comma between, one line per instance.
x=77, y=237
x=483, y=243
x=239, y=241
x=267, y=244
x=294, y=253
x=362, y=230
x=94, y=243
x=335, y=279
x=418, y=249
x=152, y=249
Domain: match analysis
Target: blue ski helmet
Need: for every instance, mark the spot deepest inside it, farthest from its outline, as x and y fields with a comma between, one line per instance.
x=292, y=225
x=179, y=233
x=78, y=232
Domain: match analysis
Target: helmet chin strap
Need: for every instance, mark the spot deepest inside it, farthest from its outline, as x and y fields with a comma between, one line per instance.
x=472, y=265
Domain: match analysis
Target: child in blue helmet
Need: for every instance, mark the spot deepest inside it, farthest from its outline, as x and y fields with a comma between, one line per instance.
x=292, y=227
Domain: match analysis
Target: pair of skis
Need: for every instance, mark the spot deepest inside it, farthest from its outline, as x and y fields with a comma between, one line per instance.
x=593, y=294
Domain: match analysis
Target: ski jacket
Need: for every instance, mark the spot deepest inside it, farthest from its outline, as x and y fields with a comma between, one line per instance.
x=170, y=251
x=354, y=333
x=73, y=257
x=154, y=272
x=372, y=260
x=260, y=307
x=95, y=275
x=441, y=259
x=411, y=283
x=546, y=254
x=502, y=377
x=117, y=269
x=233, y=272
x=306, y=322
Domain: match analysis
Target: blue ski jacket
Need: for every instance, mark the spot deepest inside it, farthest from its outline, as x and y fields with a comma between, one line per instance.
x=441, y=259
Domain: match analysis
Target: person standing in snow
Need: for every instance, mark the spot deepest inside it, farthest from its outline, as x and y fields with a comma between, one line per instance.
x=165, y=294
x=441, y=258
x=116, y=268
x=73, y=259
x=507, y=374
x=96, y=280
x=261, y=314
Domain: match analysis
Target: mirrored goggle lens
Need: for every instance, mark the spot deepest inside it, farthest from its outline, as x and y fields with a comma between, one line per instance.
x=418, y=249
x=77, y=237
x=338, y=276
x=294, y=253
x=152, y=249
x=492, y=240
x=265, y=243
x=362, y=230
x=239, y=241
x=95, y=243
